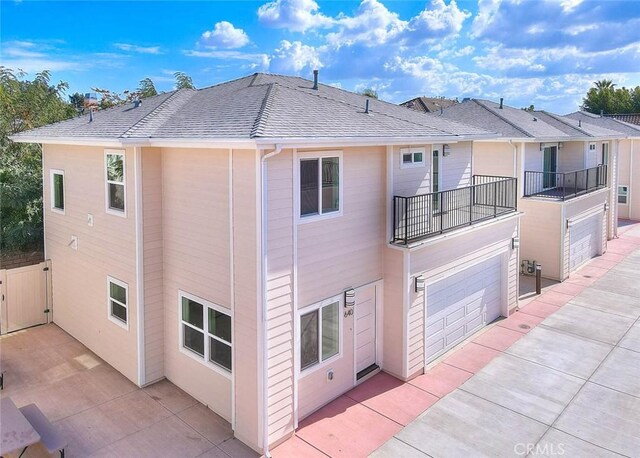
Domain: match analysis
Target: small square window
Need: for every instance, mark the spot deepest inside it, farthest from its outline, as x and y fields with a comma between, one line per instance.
x=412, y=157
x=118, y=301
x=319, y=185
x=623, y=195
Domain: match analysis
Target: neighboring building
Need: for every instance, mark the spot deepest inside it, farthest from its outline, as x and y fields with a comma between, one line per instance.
x=628, y=194
x=565, y=169
x=266, y=246
x=428, y=104
x=631, y=118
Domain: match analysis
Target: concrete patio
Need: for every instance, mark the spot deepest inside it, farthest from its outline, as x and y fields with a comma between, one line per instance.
x=559, y=377
x=99, y=411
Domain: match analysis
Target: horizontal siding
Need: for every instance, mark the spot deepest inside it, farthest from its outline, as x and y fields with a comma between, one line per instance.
x=195, y=252
x=540, y=233
x=571, y=157
x=533, y=157
x=394, y=284
x=280, y=294
x=456, y=167
x=411, y=181
x=493, y=159
x=153, y=266
x=79, y=276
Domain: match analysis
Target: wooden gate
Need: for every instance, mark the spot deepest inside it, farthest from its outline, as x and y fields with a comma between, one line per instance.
x=25, y=296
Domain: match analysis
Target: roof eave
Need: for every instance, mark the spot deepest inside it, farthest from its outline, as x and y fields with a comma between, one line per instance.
x=304, y=142
x=149, y=142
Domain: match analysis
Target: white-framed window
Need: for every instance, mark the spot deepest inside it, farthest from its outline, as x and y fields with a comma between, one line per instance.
x=592, y=146
x=57, y=190
x=118, y=302
x=412, y=157
x=115, y=177
x=319, y=185
x=205, y=332
x=320, y=333
x=623, y=194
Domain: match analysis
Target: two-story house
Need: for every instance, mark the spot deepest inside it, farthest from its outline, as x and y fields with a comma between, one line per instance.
x=628, y=194
x=268, y=243
x=565, y=169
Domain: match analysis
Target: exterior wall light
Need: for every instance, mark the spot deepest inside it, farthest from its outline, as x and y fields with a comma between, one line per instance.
x=419, y=283
x=515, y=242
x=350, y=298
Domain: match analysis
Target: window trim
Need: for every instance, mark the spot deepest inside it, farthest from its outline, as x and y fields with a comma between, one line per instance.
x=108, y=208
x=112, y=318
x=412, y=150
x=626, y=195
x=592, y=147
x=331, y=360
x=204, y=360
x=52, y=173
x=300, y=219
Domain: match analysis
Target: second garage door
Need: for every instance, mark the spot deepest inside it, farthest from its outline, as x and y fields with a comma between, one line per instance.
x=461, y=304
x=584, y=240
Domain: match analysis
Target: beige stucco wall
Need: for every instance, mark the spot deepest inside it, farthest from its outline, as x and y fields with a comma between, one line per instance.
x=105, y=249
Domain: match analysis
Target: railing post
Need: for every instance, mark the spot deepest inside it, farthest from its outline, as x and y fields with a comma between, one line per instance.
x=395, y=219
x=495, y=198
x=441, y=208
x=471, y=199
x=406, y=220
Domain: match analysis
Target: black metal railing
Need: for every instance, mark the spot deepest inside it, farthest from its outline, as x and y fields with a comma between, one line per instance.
x=564, y=185
x=426, y=215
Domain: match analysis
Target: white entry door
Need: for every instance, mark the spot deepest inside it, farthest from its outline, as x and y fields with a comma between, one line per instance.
x=365, y=322
x=585, y=238
x=461, y=304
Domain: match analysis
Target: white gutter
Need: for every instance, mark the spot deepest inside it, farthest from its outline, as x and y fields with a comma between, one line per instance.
x=263, y=281
x=301, y=142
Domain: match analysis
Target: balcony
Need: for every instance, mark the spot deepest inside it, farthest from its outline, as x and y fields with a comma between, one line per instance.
x=419, y=217
x=566, y=185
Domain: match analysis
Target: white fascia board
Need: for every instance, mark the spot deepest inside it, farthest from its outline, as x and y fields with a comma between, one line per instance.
x=149, y=142
x=330, y=142
x=82, y=141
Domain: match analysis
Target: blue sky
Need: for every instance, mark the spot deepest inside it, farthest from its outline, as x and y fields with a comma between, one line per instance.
x=545, y=52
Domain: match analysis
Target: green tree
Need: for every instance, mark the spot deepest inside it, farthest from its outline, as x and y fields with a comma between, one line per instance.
x=25, y=105
x=183, y=81
x=77, y=101
x=147, y=88
x=369, y=92
x=530, y=108
x=605, y=97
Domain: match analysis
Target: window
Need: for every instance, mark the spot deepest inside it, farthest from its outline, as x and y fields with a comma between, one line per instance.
x=57, y=190
x=320, y=185
x=592, y=146
x=623, y=194
x=411, y=157
x=206, y=331
x=115, y=174
x=118, y=299
x=320, y=334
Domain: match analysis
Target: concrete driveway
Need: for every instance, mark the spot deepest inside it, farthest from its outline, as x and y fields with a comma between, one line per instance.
x=570, y=387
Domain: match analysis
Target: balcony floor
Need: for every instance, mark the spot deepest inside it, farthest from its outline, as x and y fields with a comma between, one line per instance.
x=569, y=193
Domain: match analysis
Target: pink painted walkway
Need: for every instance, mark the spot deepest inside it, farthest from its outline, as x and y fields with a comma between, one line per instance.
x=360, y=421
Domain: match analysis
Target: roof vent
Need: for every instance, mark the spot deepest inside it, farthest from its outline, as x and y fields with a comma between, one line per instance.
x=501, y=102
x=535, y=119
x=315, y=80
x=90, y=114
x=137, y=103
x=366, y=106
x=579, y=122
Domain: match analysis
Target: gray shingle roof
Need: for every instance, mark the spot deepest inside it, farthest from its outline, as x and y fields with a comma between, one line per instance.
x=575, y=129
x=516, y=123
x=428, y=104
x=257, y=106
x=631, y=130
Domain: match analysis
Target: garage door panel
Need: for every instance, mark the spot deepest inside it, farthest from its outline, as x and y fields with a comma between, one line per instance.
x=584, y=240
x=461, y=304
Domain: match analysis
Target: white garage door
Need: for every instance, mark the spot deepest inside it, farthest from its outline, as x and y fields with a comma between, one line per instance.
x=462, y=303
x=584, y=240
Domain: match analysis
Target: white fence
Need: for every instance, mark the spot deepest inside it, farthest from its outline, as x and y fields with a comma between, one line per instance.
x=25, y=297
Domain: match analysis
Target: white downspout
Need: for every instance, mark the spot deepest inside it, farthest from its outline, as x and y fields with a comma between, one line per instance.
x=263, y=282
x=138, y=204
x=631, y=148
x=515, y=158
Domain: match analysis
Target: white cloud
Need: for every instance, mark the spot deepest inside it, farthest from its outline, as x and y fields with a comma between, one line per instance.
x=293, y=57
x=224, y=35
x=294, y=15
x=372, y=24
x=138, y=49
x=438, y=21
x=258, y=60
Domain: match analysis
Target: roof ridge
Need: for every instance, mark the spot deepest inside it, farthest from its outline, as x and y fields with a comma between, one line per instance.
x=146, y=119
x=515, y=126
x=566, y=123
x=261, y=120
